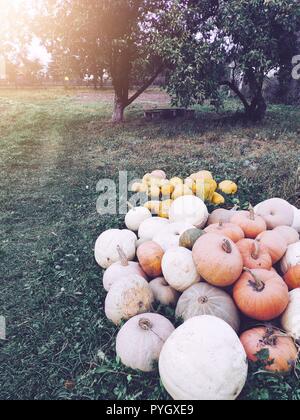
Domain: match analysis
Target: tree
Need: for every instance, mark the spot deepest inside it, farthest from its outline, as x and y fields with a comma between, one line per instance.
x=234, y=39
x=113, y=34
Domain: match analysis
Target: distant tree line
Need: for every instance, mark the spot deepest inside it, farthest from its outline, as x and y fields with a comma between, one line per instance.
x=202, y=47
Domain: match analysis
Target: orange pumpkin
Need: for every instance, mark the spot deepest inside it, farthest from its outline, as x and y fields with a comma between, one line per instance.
x=283, y=353
x=251, y=224
x=292, y=277
x=230, y=230
x=254, y=254
x=275, y=243
x=150, y=256
x=217, y=259
x=261, y=294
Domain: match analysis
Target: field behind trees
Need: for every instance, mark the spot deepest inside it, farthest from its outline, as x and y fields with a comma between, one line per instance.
x=55, y=145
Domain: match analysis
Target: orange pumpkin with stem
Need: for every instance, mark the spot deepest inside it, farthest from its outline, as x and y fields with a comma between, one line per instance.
x=251, y=224
x=254, y=254
x=261, y=294
x=150, y=256
x=292, y=277
x=217, y=259
x=230, y=230
x=275, y=243
x=283, y=353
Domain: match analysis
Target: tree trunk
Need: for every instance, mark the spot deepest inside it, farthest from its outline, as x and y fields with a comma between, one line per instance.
x=118, y=114
x=258, y=108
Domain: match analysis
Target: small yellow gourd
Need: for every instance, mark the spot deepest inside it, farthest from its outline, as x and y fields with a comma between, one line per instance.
x=153, y=206
x=176, y=181
x=154, y=192
x=218, y=199
x=167, y=190
x=228, y=187
x=165, y=208
x=180, y=191
x=139, y=187
x=205, y=189
x=202, y=175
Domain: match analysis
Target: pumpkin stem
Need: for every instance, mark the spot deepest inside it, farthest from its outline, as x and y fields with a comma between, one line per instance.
x=252, y=212
x=221, y=224
x=123, y=258
x=258, y=285
x=227, y=246
x=270, y=338
x=255, y=250
x=203, y=300
x=145, y=324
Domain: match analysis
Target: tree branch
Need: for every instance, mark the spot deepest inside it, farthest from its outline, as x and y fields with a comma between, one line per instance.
x=145, y=86
x=236, y=90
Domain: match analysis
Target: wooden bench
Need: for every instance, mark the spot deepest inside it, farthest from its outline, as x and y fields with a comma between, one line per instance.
x=168, y=113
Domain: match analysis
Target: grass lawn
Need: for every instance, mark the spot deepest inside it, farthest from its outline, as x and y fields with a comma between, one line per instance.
x=54, y=148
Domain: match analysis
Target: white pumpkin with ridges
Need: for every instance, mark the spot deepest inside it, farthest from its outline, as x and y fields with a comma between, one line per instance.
x=189, y=209
x=203, y=360
x=179, y=269
x=141, y=339
x=150, y=227
x=290, y=320
x=128, y=297
x=135, y=217
x=291, y=258
x=106, y=247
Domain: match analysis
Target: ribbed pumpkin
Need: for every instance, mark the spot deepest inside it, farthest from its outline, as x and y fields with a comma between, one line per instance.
x=150, y=256
x=291, y=258
x=169, y=236
x=276, y=212
x=141, y=339
x=290, y=234
x=232, y=231
x=275, y=243
x=127, y=298
x=251, y=224
x=292, y=277
x=121, y=270
x=221, y=215
x=254, y=254
x=217, y=260
x=203, y=360
x=163, y=292
x=261, y=294
x=204, y=299
x=190, y=237
x=283, y=353
x=179, y=269
x=290, y=320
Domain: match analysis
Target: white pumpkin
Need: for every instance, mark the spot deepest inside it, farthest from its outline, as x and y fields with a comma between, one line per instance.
x=150, y=227
x=163, y=292
x=135, y=217
x=276, y=212
x=296, y=221
x=290, y=234
x=203, y=360
x=170, y=235
x=189, y=209
x=141, y=339
x=106, y=247
x=128, y=297
x=120, y=270
x=179, y=269
x=290, y=320
x=204, y=299
x=291, y=258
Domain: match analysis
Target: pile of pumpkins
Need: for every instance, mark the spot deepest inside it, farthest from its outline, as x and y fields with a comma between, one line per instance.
x=161, y=192
x=213, y=269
